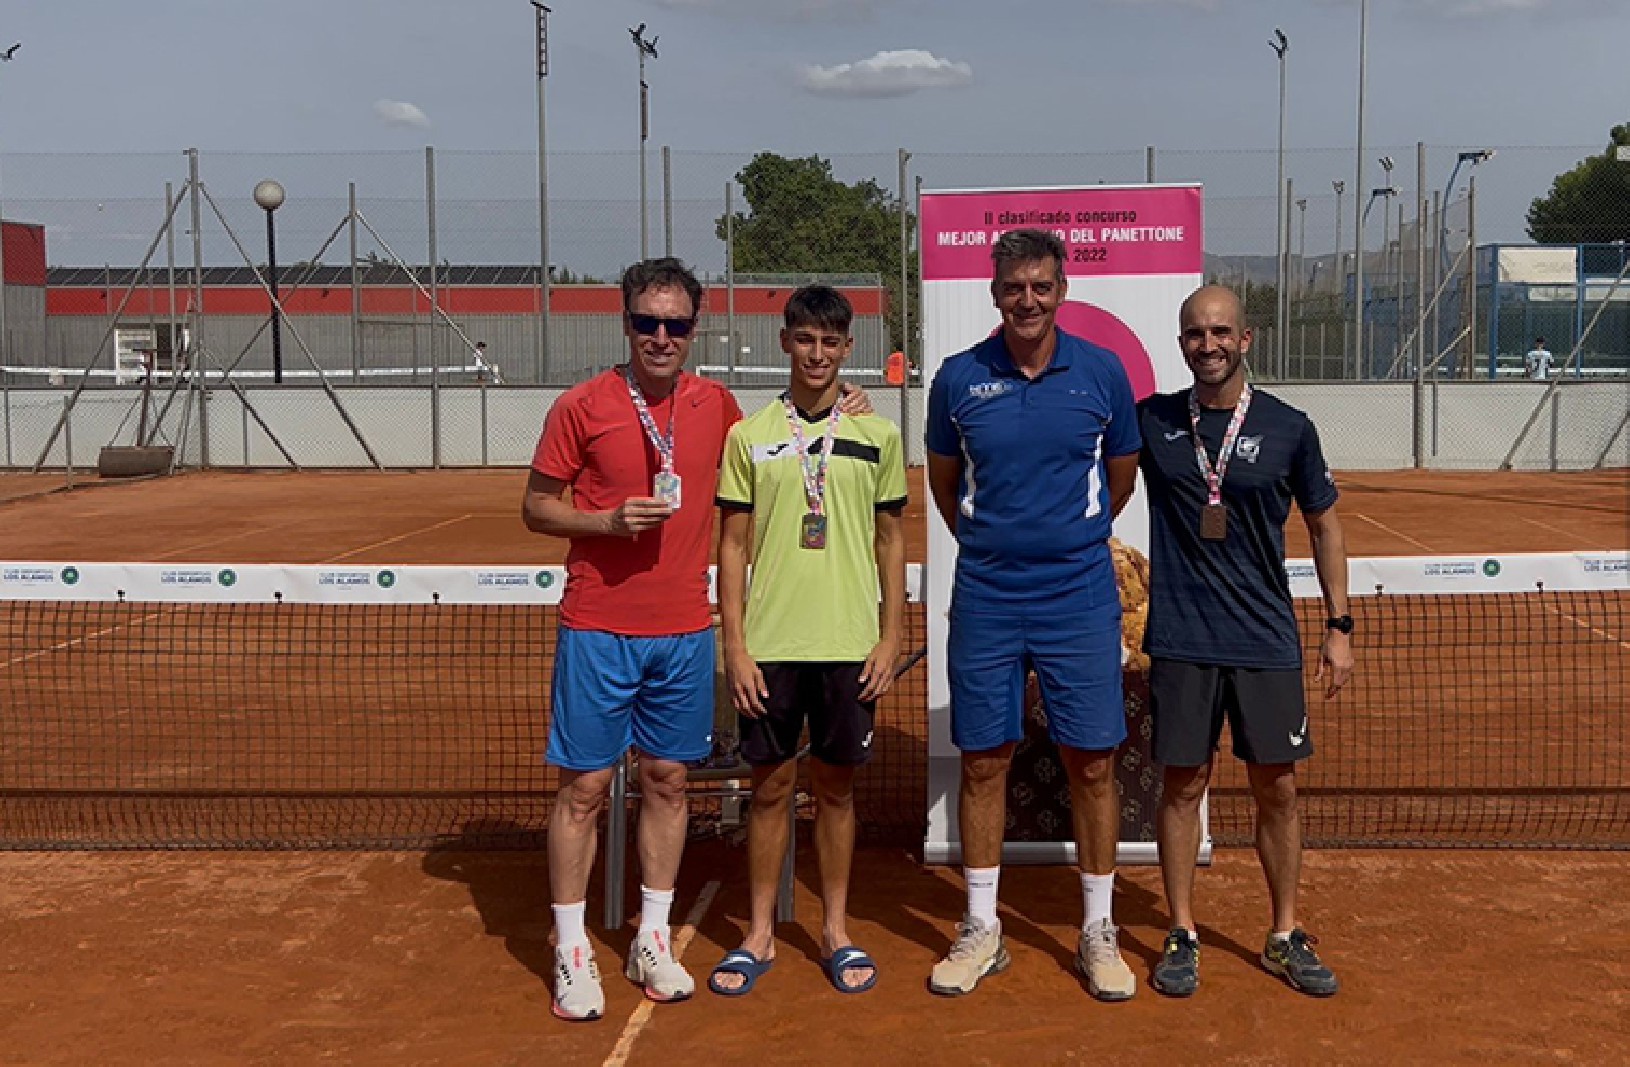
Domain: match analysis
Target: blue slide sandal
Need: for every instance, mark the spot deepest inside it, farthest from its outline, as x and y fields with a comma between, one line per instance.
x=741, y=962
x=844, y=959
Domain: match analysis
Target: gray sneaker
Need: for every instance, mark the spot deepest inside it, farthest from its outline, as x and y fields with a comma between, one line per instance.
x=578, y=996
x=978, y=951
x=1098, y=958
x=1293, y=959
x=651, y=964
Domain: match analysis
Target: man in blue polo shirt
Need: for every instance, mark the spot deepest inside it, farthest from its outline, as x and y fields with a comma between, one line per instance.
x=1032, y=450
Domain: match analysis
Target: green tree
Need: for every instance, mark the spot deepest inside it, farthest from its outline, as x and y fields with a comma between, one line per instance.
x=1589, y=204
x=802, y=220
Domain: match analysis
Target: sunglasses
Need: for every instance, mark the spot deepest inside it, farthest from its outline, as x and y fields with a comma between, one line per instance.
x=647, y=325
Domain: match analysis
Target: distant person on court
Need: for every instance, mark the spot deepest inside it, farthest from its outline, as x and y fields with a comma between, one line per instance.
x=1538, y=361
x=1223, y=463
x=1032, y=449
x=638, y=446
x=813, y=497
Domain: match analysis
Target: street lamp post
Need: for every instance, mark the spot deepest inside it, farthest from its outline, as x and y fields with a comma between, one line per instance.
x=1281, y=45
x=540, y=373
x=1339, y=273
x=1301, y=243
x=1386, y=221
x=269, y=195
x=644, y=48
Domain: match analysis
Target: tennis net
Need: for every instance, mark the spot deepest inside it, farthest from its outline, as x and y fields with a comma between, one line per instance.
x=211, y=706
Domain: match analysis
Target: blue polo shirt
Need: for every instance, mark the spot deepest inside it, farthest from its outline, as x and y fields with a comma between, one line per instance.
x=1034, y=520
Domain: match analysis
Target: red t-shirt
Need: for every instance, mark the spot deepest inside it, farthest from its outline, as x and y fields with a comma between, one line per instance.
x=656, y=583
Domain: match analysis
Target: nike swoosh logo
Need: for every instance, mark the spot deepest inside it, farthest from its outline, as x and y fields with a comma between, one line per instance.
x=1172, y=435
x=1297, y=737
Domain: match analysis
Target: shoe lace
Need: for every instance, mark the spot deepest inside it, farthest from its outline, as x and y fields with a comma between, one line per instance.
x=1180, y=948
x=1299, y=947
x=968, y=936
x=1102, y=944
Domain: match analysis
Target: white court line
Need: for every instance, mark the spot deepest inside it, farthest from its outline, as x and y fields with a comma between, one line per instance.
x=257, y=531
x=1582, y=624
x=1589, y=542
x=13, y=661
x=398, y=537
x=642, y=1014
x=1387, y=529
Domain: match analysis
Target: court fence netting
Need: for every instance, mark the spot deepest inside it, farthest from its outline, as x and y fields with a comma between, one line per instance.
x=169, y=706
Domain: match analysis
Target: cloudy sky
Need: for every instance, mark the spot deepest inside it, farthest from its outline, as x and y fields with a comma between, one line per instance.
x=952, y=77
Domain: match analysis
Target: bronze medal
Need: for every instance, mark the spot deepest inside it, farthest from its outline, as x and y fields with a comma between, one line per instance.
x=1214, y=522
x=812, y=531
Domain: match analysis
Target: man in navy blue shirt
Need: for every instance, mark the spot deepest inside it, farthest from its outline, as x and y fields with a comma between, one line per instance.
x=1222, y=463
x=1032, y=450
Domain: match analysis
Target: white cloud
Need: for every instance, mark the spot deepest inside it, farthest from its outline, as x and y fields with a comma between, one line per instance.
x=401, y=113
x=894, y=73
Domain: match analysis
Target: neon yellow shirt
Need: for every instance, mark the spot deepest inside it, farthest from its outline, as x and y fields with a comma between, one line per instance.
x=803, y=604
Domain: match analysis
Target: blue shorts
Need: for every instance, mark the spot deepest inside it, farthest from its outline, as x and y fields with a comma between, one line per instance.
x=1077, y=660
x=611, y=691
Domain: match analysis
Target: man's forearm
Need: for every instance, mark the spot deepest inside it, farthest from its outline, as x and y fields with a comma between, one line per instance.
x=557, y=517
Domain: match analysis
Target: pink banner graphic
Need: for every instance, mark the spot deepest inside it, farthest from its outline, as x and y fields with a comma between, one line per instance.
x=1109, y=230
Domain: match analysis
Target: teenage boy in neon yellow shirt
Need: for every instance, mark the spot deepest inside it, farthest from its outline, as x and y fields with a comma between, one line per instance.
x=814, y=497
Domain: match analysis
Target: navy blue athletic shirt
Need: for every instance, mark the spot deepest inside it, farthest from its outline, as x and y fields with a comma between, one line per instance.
x=1227, y=602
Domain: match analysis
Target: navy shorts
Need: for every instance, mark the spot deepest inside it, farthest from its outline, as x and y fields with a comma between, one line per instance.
x=610, y=692
x=827, y=696
x=1077, y=660
x=1266, y=712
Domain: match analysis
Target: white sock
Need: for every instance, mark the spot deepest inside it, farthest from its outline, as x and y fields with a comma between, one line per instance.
x=982, y=892
x=654, y=907
x=569, y=924
x=1097, y=893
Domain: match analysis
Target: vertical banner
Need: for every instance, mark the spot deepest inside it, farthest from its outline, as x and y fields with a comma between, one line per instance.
x=1135, y=253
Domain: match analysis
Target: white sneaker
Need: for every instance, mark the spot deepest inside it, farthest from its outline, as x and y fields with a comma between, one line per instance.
x=578, y=996
x=651, y=964
x=978, y=951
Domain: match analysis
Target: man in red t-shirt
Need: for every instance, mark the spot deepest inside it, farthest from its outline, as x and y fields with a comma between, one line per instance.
x=639, y=448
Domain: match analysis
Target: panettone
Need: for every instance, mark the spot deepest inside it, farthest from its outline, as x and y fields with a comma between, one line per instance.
x=1132, y=576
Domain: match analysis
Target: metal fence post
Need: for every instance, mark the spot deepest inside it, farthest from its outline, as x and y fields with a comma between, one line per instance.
x=356, y=289
x=435, y=306
x=68, y=439
x=730, y=281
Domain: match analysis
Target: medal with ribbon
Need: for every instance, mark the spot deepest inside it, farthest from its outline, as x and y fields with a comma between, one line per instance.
x=665, y=486
x=812, y=529
x=1214, y=515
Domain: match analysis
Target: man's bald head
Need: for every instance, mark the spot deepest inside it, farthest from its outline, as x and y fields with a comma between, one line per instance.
x=1215, y=341
x=1214, y=303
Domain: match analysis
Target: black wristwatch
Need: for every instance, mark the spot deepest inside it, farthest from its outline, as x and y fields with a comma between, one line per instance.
x=1340, y=623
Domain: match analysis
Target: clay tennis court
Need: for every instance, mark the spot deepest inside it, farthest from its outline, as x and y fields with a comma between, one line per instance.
x=443, y=956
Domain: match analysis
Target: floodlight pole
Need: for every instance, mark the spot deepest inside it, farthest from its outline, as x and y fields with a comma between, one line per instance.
x=1358, y=189
x=1281, y=45
x=643, y=48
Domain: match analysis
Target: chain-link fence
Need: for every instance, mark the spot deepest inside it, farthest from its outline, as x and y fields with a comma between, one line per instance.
x=443, y=247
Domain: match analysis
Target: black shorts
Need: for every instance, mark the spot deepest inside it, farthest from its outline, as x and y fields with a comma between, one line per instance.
x=1266, y=712
x=828, y=696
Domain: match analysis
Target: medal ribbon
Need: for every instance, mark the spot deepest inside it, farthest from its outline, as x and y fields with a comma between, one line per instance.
x=814, y=468
x=1214, y=477
x=663, y=444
